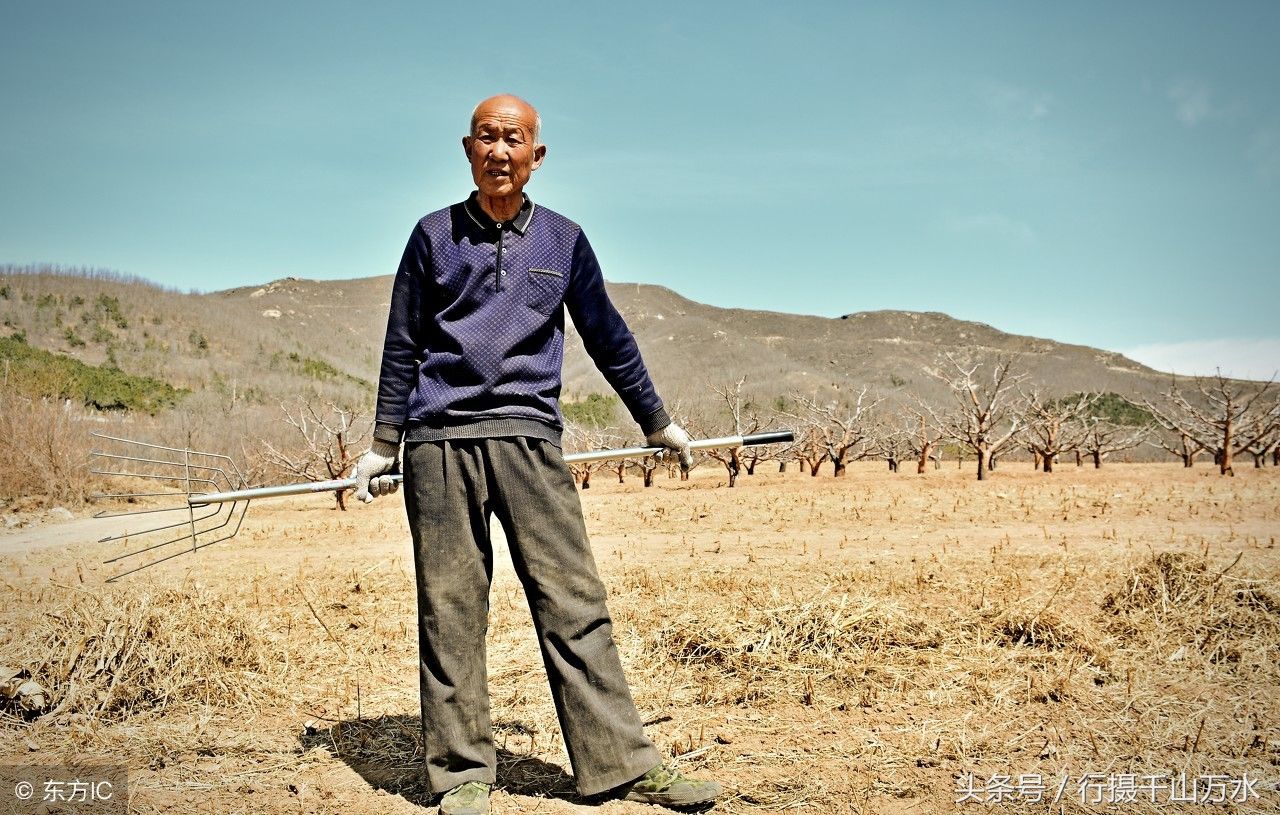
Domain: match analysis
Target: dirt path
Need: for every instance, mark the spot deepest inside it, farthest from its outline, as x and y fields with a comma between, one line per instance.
x=64, y=534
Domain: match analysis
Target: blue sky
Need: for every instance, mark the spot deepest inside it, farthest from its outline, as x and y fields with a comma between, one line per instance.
x=1106, y=174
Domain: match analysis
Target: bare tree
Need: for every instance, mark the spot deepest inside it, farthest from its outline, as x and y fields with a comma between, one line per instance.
x=1055, y=426
x=925, y=444
x=809, y=449
x=892, y=443
x=753, y=457
x=922, y=437
x=840, y=431
x=647, y=466
x=1230, y=418
x=580, y=439
x=1186, y=450
x=782, y=453
x=744, y=419
x=982, y=417
x=1265, y=439
x=1102, y=438
x=329, y=438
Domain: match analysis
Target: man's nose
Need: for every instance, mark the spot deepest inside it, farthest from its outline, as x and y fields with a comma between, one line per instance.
x=499, y=150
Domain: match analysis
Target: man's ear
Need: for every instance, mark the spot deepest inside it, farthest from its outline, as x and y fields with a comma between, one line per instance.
x=539, y=153
x=466, y=146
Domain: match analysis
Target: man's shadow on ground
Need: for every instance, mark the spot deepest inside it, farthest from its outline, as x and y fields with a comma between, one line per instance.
x=386, y=751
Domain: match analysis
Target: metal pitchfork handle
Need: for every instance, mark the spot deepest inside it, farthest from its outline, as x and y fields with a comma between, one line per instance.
x=225, y=510
x=204, y=499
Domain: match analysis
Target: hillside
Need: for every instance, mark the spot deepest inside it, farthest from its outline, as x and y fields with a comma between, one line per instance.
x=267, y=344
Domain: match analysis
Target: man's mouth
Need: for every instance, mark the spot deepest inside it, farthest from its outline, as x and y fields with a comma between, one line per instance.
x=497, y=173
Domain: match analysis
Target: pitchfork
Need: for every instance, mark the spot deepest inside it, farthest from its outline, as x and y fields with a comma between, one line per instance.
x=214, y=495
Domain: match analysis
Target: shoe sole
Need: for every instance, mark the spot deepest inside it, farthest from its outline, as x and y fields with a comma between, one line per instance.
x=673, y=800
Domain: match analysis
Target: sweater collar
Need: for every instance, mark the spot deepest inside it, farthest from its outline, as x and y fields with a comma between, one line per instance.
x=519, y=223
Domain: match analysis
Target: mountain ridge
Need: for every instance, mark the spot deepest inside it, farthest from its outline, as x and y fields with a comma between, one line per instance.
x=294, y=334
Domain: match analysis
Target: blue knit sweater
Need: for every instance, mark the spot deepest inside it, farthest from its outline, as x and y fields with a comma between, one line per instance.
x=475, y=334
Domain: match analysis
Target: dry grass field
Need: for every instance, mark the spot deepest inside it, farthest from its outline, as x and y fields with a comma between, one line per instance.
x=820, y=645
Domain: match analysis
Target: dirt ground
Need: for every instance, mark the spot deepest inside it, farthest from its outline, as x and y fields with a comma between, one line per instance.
x=871, y=643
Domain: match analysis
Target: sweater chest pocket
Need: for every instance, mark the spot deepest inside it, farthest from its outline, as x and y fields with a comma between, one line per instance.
x=544, y=289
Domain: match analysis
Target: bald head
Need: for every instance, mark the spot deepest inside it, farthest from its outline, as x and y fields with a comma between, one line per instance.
x=503, y=150
x=508, y=105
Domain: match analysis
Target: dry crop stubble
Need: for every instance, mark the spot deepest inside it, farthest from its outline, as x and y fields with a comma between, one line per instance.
x=822, y=645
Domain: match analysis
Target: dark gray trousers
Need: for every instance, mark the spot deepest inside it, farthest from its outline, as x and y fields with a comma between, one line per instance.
x=452, y=487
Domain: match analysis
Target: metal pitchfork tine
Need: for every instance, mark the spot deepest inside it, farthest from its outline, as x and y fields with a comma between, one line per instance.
x=228, y=491
x=213, y=471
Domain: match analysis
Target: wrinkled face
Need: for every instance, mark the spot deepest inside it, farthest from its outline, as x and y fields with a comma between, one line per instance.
x=501, y=147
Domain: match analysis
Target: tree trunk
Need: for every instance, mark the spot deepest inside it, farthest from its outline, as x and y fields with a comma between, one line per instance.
x=839, y=465
x=782, y=466
x=751, y=466
x=1079, y=459
x=1035, y=459
x=1225, y=462
x=1048, y=464
x=924, y=456
x=648, y=477
x=586, y=480
x=991, y=461
x=1097, y=459
x=982, y=465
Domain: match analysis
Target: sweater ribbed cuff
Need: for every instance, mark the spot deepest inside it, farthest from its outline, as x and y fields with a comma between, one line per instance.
x=654, y=421
x=389, y=433
x=386, y=449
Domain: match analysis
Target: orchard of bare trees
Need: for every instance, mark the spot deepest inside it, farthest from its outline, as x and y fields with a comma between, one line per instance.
x=990, y=412
x=993, y=412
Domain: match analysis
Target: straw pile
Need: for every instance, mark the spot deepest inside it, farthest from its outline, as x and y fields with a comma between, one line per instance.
x=778, y=642
x=113, y=654
x=1178, y=599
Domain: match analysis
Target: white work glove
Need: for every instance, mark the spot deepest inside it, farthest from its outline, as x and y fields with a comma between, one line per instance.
x=674, y=439
x=372, y=479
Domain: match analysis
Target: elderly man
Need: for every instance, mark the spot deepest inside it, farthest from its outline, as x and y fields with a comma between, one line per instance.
x=470, y=381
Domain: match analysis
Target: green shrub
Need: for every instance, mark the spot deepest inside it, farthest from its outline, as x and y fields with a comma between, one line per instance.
x=41, y=373
x=317, y=369
x=1118, y=410
x=110, y=308
x=598, y=410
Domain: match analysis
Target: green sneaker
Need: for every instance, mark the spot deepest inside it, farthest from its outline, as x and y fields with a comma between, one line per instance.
x=667, y=787
x=470, y=798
